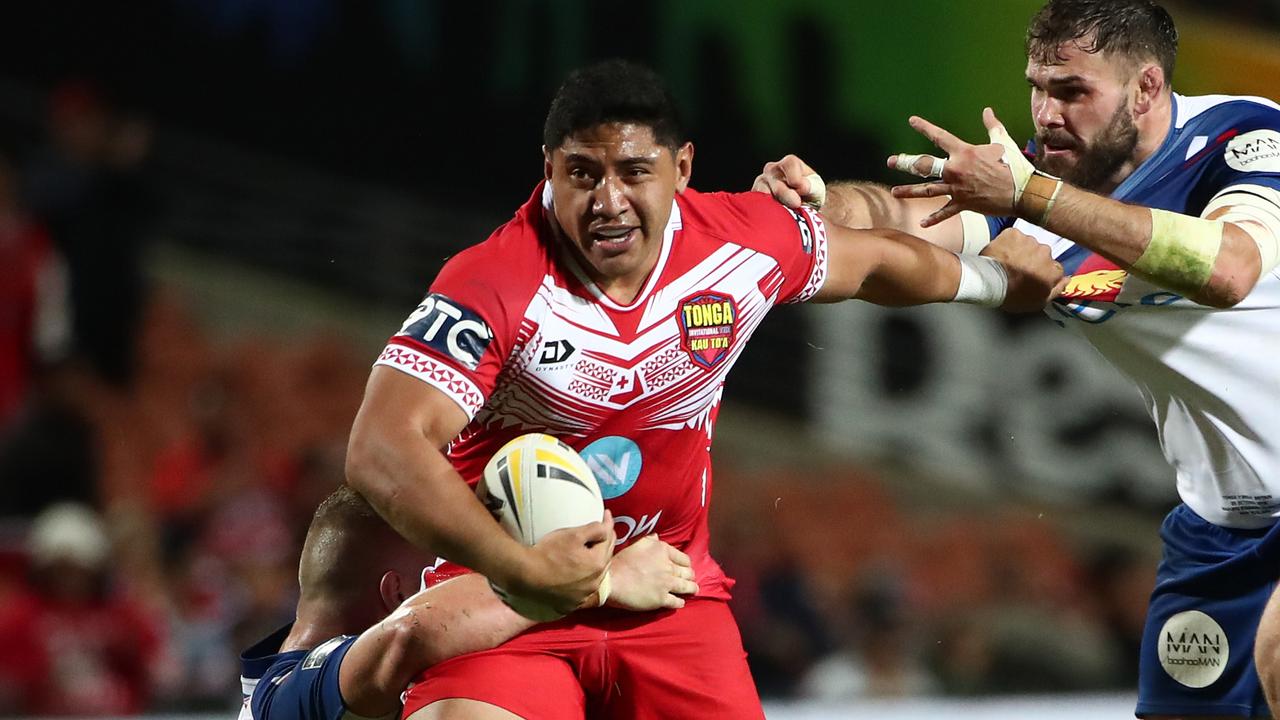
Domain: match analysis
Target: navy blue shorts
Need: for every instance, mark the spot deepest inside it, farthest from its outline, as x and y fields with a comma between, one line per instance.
x=303, y=687
x=1197, y=648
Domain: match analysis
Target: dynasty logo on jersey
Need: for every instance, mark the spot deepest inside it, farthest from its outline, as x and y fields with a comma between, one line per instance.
x=707, y=327
x=449, y=328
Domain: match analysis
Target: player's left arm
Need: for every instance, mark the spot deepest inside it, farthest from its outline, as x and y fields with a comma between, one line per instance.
x=1215, y=259
x=890, y=268
x=457, y=616
x=462, y=615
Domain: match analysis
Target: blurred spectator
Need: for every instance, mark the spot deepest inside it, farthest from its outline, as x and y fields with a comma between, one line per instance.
x=878, y=657
x=33, y=320
x=72, y=644
x=85, y=186
x=1122, y=580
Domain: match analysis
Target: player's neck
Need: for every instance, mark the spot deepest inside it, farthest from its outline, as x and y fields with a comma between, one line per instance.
x=317, y=622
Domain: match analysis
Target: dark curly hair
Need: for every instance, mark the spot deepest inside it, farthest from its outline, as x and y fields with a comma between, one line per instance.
x=1136, y=29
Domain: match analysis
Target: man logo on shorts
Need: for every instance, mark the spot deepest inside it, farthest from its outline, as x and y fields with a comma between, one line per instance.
x=1193, y=649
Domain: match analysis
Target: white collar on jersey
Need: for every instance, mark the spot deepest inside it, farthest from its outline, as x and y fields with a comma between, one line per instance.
x=674, y=223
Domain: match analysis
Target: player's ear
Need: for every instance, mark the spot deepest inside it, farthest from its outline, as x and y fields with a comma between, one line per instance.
x=684, y=166
x=1151, y=82
x=546, y=163
x=391, y=587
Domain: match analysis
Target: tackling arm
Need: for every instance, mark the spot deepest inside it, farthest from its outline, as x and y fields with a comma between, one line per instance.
x=394, y=459
x=463, y=615
x=870, y=205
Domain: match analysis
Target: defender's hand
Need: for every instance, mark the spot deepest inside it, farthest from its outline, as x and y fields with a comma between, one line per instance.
x=565, y=568
x=650, y=574
x=791, y=182
x=981, y=178
x=1035, y=277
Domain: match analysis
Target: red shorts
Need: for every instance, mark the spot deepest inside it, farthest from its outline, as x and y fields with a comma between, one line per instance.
x=686, y=663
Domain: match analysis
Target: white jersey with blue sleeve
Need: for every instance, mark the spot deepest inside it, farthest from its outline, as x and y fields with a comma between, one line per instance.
x=1208, y=375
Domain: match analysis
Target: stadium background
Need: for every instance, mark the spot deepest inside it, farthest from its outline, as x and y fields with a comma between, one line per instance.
x=932, y=511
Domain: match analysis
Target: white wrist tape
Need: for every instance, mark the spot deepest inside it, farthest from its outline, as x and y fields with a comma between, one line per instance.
x=983, y=281
x=1018, y=164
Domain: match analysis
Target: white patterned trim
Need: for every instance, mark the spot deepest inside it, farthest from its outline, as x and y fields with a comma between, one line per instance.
x=818, y=276
x=435, y=373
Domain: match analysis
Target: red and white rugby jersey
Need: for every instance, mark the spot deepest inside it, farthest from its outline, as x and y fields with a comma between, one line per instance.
x=515, y=333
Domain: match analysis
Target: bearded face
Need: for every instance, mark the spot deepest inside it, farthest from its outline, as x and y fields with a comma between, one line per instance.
x=1088, y=163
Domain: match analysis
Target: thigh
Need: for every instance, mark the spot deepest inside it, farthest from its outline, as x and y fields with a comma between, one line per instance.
x=498, y=684
x=1197, y=647
x=461, y=709
x=688, y=663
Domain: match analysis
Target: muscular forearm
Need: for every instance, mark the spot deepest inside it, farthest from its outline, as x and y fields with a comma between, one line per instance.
x=863, y=205
x=887, y=267
x=868, y=205
x=457, y=616
x=1122, y=233
x=910, y=272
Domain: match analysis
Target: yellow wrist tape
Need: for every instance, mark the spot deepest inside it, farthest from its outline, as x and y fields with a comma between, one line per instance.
x=1182, y=251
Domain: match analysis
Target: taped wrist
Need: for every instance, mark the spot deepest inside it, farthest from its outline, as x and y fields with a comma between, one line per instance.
x=983, y=281
x=1182, y=251
x=1038, y=195
x=1034, y=192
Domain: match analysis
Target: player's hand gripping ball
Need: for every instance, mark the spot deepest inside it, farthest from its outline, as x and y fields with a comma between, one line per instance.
x=535, y=485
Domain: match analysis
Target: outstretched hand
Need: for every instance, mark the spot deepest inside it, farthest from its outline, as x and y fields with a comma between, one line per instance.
x=981, y=178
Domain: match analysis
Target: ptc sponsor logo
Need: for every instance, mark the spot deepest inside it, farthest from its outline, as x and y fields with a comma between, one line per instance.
x=707, y=327
x=616, y=463
x=449, y=328
x=1256, y=151
x=1193, y=649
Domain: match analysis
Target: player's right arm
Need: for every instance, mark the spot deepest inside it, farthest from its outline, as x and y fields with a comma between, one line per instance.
x=865, y=205
x=395, y=460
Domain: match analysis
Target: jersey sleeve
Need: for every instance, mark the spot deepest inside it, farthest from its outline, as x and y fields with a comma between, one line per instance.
x=1250, y=156
x=462, y=332
x=795, y=239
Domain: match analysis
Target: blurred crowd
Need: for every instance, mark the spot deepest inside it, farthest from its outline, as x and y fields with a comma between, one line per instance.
x=157, y=482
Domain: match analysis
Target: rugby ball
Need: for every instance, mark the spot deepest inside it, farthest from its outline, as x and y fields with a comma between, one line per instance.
x=535, y=485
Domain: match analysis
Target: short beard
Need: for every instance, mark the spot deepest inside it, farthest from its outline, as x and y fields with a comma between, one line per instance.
x=1099, y=160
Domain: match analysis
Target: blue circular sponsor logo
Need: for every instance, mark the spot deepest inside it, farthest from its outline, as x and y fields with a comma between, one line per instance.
x=616, y=462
